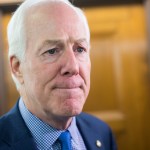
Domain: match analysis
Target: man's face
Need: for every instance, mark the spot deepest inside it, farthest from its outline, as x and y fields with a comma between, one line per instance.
x=56, y=71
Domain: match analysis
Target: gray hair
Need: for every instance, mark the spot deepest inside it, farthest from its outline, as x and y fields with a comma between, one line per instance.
x=16, y=29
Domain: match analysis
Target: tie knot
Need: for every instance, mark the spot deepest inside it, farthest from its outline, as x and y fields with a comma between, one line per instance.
x=65, y=139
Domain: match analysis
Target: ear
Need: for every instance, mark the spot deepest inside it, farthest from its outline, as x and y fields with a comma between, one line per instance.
x=15, y=66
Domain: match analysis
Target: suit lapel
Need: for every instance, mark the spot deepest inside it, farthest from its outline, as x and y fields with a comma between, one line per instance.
x=17, y=135
x=90, y=138
x=24, y=144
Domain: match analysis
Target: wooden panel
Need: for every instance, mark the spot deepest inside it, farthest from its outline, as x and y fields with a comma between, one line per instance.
x=11, y=5
x=147, y=106
x=119, y=79
x=87, y=2
x=9, y=1
x=12, y=94
x=3, y=98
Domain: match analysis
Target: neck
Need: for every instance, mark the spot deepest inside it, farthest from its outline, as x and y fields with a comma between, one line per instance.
x=61, y=123
x=58, y=122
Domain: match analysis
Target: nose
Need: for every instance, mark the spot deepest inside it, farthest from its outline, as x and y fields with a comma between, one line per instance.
x=70, y=64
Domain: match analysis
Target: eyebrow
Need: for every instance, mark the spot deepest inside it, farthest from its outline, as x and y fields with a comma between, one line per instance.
x=49, y=42
x=81, y=40
x=54, y=42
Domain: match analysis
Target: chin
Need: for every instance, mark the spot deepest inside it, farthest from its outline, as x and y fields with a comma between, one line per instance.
x=70, y=107
x=73, y=111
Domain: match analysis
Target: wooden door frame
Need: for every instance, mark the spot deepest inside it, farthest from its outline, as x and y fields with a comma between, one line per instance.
x=147, y=13
x=13, y=4
x=3, y=96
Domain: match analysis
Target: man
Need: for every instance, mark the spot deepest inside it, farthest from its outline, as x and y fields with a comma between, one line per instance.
x=49, y=46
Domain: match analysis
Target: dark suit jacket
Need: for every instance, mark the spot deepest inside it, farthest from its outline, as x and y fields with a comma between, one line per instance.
x=14, y=134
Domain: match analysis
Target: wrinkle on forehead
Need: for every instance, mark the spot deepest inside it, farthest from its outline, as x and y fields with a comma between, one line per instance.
x=51, y=9
x=59, y=41
x=54, y=11
x=52, y=17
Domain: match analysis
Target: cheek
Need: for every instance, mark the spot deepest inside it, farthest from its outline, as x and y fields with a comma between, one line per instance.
x=88, y=74
x=34, y=77
x=87, y=70
x=85, y=74
x=44, y=72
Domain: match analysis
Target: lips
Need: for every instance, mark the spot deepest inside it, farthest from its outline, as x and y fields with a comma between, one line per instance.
x=68, y=85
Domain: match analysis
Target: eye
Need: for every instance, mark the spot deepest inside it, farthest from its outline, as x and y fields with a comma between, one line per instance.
x=52, y=51
x=80, y=49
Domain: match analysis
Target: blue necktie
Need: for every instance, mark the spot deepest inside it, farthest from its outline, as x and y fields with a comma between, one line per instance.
x=65, y=139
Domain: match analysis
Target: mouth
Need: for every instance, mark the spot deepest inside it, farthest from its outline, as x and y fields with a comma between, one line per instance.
x=67, y=87
x=68, y=90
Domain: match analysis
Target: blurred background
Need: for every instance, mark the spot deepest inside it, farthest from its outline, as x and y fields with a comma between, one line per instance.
x=120, y=77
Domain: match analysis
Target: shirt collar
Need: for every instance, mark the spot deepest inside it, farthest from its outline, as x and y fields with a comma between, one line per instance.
x=45, y=135
x=73, y=130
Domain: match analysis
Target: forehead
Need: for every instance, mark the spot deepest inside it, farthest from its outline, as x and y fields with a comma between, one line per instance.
x=55, y=19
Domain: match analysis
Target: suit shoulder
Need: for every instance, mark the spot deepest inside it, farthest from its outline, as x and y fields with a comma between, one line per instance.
x=9, y=123
x=8, y=117
x=91, y=126
x=5, y=123
x=4, y=120
x=93, y=122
